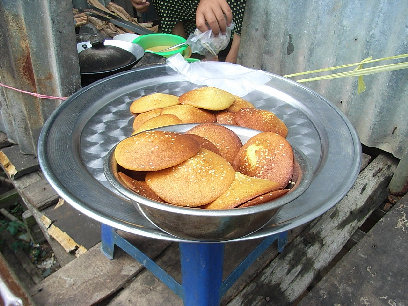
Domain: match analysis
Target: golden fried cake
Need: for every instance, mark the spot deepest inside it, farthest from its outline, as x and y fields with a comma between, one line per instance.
x=265, y=198
x=242, y=189
x=139, y=187
x=238, y=104
x=227, y=142
x=205, y=143
x=261, y=120
x=266, y=155
x=155, y=150
x=210, y=98
x=226, y=117
x=158, y=121
x=143, y=117
x=195, y=182
x=189, y=114
x=153, y=101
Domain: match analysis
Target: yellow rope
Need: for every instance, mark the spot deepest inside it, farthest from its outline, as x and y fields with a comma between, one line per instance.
x=359, y=72
x=366, y=61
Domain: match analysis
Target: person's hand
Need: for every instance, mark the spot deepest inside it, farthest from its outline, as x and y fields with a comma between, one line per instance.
x=140, y=5
x=213, y=15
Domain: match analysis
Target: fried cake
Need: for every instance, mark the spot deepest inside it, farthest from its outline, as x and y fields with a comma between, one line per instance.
x=238, y=104
x=227, y=142
x=210, y=98
x=155, y=150
x=197, y=181
x=262, y=120
x=139, y=186
x=242, y=189
x=189, y=114
x=143, y=117
x=158, y=121
x=266, y=155
x=153, y=101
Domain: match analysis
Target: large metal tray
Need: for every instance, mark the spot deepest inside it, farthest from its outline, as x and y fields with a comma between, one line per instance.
x=78, y=135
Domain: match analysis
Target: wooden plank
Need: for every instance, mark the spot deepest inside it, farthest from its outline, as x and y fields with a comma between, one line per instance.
x=146, y=289
x=75, y=231
x=289, y=275
x=60, y=253
x=40, y=193
x=15, y=164
x=69, y=245
x=365, y=160
x=374, y=271
x=33, y=229
x=236, y=252
x=8, y=198
x=37, y=201
x=92, y=277
x=35, y=190
x=4, y=142
x=28, y=179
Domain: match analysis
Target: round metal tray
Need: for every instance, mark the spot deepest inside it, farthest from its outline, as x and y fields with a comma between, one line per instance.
x=78, y=135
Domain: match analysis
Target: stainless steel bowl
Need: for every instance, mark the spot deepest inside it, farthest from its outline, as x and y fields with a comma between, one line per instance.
x=210, y=225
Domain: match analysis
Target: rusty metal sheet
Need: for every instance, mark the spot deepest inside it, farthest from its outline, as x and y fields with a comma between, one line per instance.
x=38, y=54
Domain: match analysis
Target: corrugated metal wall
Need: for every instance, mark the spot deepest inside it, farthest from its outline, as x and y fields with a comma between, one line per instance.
x=285, y=37
x=37, y=54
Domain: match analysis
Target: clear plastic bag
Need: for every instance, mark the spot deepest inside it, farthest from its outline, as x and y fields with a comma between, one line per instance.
x=207, y=44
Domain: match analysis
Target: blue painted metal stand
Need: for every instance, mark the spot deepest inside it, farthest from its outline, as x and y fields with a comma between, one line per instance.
x=201, y=266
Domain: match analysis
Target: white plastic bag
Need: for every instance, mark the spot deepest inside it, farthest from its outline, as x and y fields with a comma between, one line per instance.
x=236, y=79
x=207, y=44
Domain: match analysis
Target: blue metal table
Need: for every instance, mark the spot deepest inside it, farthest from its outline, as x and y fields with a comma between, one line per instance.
x=201, y=266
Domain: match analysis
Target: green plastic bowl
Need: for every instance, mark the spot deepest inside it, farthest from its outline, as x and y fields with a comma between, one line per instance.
x=161, y=39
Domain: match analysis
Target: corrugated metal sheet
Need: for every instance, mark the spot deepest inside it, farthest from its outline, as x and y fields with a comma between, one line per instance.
x=37, y=54
x=285, y=37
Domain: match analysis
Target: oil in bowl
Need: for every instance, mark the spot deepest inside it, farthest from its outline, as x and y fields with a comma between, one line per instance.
x=160, y=41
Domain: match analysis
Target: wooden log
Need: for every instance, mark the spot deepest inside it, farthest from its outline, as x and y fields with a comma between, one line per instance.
x=289, y=275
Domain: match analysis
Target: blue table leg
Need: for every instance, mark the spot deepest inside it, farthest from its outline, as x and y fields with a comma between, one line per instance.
x=282, y=240
x=108, y=240
x=201, y=268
